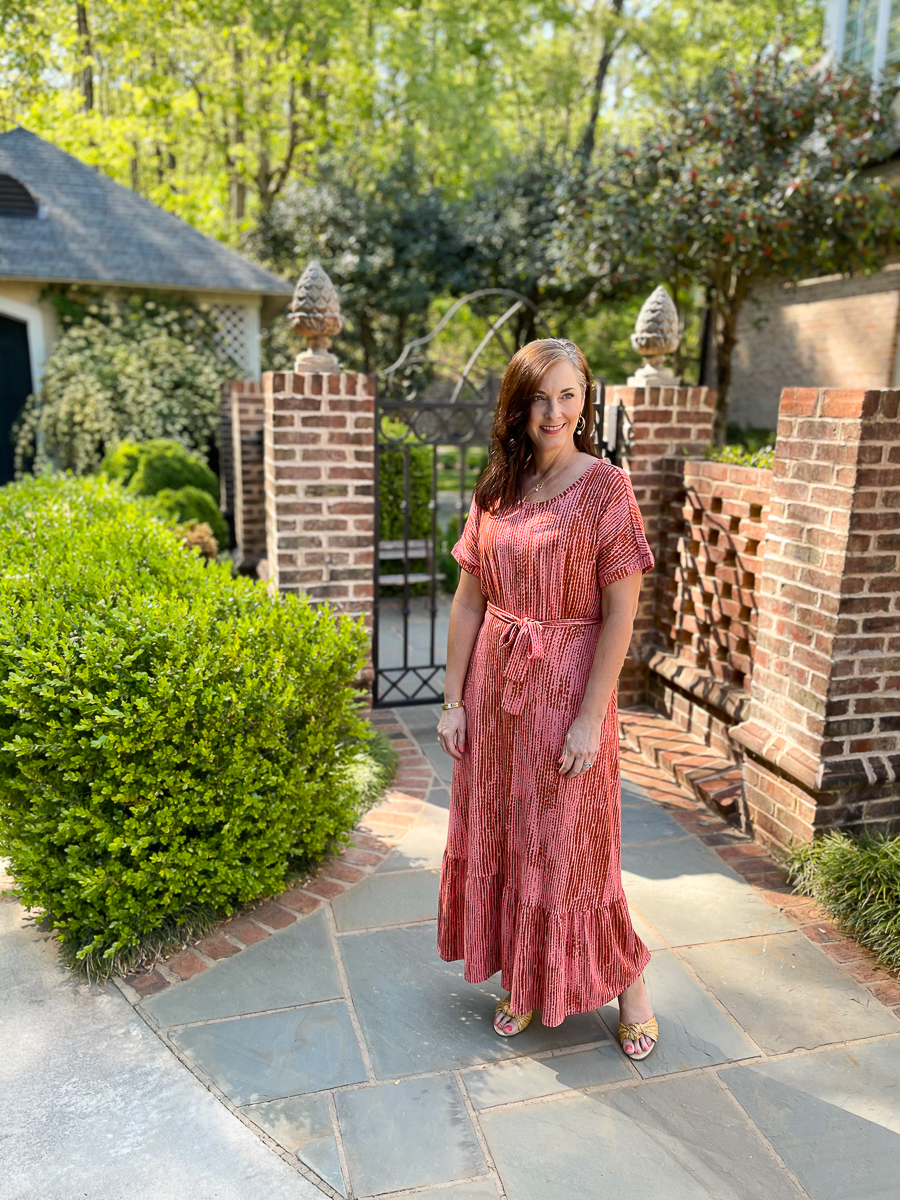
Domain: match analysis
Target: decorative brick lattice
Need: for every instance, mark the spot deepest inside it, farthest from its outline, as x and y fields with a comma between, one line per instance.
x=710, y=565
x=655, y=425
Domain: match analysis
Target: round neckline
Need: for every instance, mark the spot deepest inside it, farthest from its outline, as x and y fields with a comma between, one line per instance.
x=559, y=495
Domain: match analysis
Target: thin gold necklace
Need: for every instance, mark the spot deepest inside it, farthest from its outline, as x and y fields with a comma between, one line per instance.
x=543, y=482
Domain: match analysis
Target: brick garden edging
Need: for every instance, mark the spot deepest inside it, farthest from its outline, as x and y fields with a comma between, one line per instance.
x=373, y=839
x=768, y=879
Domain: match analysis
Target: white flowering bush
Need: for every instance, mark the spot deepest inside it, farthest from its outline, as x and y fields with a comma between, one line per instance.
x=128, y=370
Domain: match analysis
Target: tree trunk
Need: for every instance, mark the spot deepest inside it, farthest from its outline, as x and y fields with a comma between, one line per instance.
x=84, y=43
x=726, y=340
x=588, y=138
x=238, y=186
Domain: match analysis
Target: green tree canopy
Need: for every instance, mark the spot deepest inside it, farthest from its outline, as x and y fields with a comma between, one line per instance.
x=748, y=175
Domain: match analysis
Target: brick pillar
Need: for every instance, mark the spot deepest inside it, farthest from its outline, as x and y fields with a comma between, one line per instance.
x=655, y=424
x=244, y=401
x=226, y=458
x=821, y=736
x=319, y=488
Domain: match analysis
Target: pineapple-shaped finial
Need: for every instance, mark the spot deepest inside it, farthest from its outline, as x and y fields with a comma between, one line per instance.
x=316, y=315
x=655, y=336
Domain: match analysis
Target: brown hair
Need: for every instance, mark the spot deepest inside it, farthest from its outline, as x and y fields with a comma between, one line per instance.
x=500, y=486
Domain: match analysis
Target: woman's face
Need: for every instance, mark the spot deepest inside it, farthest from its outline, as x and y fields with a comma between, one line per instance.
x=556, y=407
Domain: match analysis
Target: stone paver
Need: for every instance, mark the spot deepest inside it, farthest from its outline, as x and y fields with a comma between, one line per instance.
x=372, y=1064
x=694, y=1030
x=689, y=895
x=531, y=1078
x=788, y=994
x=407, y=1134
x=279, y=1054
x=303, y=1125
x=418, y=1013
x=388, y=900
x=678, y=1140
x=295, y=967
x=833, y=1117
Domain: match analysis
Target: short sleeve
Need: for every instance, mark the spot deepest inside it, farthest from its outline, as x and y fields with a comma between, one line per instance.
x=622, y=547
x=466, y=549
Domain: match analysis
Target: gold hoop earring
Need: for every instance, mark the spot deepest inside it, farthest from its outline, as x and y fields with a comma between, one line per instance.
x=580, y=424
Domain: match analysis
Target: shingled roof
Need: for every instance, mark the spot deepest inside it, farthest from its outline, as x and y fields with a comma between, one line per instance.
x=91, y=230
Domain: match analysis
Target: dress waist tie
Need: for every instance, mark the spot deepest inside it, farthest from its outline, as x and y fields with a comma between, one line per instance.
x=524, y=635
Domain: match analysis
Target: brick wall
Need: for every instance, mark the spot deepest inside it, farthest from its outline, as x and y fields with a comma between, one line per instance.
x=244, y=401
x=319, y=487
x=821, y=736
x=712, y=530
x=656, y=424
x=226, y=457
x=706, y=591
x=839, y=333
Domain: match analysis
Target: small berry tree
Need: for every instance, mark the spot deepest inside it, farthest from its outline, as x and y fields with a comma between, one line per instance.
x=750, y=175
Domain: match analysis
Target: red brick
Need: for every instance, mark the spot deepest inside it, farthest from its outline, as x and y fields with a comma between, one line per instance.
x=186, y=965
x=299, y=901
x=887, y=993
x=361, y=858
x=217, y=946
x=338, y=870
x=364, y=841
x=324, y=887
x=823, y=931
x=247, y=931
x=147, y=985
x=272, y=915
x=844, y=952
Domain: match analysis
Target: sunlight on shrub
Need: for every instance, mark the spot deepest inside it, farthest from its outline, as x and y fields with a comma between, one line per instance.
x=173, y=742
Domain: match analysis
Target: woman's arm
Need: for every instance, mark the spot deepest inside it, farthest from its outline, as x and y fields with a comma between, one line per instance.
x=466, y=615
x=619, y=603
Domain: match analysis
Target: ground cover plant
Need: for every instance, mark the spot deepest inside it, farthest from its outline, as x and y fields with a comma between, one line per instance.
x=174, y=743
x=857, y=881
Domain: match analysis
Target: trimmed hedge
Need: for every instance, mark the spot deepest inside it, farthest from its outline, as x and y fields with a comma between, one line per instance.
x=173, y=742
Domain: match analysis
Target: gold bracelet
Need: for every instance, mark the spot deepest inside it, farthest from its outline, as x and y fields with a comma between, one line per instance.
x=453, y=704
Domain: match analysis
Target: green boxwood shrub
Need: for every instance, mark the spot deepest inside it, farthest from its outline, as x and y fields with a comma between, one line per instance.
x=165, y=465
x=173, y=742
x=188, y=505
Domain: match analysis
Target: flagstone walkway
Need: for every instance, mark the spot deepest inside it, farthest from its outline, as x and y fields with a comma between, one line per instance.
x=355, y=1053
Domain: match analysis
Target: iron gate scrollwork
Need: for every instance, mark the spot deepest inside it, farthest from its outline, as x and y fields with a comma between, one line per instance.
x=427, y=409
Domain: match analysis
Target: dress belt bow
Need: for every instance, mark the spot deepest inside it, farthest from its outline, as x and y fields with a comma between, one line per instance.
x=524, y=636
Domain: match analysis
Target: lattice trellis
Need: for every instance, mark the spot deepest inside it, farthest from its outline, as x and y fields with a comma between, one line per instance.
x=236, y=334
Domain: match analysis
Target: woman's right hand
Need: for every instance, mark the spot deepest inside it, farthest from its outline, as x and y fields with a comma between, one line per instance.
x=452, y=731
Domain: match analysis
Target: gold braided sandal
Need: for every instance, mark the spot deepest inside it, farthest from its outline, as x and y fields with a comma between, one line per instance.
x=521, y=1021
x=632, y=1033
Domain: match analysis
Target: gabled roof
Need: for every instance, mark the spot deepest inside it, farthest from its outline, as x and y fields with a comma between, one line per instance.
x=92, y=230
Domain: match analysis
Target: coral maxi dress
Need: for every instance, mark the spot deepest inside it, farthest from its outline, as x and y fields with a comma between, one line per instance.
x=531, y=879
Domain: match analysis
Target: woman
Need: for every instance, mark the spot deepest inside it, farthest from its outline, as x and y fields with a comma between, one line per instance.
x=552, y=555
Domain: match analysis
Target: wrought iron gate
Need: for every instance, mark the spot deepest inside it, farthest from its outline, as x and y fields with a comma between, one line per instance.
x=432, y=422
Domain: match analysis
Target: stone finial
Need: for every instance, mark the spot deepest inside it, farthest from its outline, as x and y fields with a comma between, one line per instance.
x=316, y=315
x=655, y=336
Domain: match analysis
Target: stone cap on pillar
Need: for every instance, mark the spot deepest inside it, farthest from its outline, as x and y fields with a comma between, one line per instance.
x=655, y=336
x=315, y=314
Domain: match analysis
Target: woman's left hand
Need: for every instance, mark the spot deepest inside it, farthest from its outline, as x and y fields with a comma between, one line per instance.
x=582, y=745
